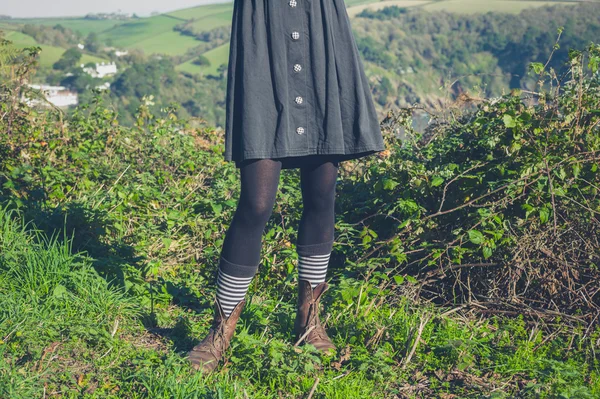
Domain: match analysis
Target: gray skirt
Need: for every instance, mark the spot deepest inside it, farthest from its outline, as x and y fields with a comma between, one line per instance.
x=296, y=86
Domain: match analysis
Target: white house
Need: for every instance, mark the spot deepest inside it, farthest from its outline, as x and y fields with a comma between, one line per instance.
x=120, y=53
x=60, y=96
x=101, y=70
x=81, y=46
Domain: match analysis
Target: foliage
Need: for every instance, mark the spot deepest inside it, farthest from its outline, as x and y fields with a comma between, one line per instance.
x=57, y=35
x=483, y=52
x=69, y=59
x=500, y=206
x=201, y=60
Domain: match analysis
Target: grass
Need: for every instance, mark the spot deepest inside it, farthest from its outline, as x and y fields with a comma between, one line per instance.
x=66, y=332
x=217, y=56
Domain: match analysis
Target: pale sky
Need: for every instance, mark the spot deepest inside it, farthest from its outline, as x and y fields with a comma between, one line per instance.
x=63, y=8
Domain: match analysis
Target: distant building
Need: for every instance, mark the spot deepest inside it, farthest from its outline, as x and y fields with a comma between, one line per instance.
x=104, y=86
x=114, y=15
x=120, y=53
x=101, y=70
x=59, y=96
x=81, y=46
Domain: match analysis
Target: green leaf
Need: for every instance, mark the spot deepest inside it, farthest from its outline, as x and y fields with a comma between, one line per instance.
x=217, y=208
x=509, y=121
x=487, y=252
x=399, y=279
x=476, y=237
x=436, y=181
x=389, y=184
x=411, y=279
x=537, y=67
x=544, y=215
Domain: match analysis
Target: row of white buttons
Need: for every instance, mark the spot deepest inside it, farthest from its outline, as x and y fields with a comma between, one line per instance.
x=297, y=67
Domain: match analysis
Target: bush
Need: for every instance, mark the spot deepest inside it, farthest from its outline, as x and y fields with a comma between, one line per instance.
x=201, y=60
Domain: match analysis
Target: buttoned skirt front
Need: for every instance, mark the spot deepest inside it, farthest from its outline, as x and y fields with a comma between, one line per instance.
x=296, y=86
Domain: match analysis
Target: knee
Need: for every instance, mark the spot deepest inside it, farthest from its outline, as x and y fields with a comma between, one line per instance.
x=322, y=203
x=255, y=213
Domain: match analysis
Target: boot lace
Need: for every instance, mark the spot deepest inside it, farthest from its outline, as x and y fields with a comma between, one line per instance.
x=313, y=320
x=216, y=341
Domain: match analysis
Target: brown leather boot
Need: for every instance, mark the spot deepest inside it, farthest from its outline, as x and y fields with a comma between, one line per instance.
x=207, y=354
x=308, y=316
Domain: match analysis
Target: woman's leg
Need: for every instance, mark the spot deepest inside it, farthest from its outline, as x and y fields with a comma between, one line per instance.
x=316, y=230
x=240, y=255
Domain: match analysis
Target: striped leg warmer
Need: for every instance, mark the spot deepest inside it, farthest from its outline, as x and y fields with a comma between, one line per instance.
x=313, y=268
x=233, y=281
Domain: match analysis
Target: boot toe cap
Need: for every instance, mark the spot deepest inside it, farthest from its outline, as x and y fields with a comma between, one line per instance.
x=202, y=361
x=325, y=347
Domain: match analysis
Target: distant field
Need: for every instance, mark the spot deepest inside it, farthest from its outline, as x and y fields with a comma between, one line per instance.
x=352, y=3
x=85, y=26
x=169, y=43
x=483, y=6
x=207, y=17
x=135, y=31
x=217, y=56
x=203, y=11
x=377, y=5
x=49, y=54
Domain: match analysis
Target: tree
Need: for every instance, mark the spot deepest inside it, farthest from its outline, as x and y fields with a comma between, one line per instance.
x=69, y=59
x=201, y=60
x=79, y=81
x=92, y=43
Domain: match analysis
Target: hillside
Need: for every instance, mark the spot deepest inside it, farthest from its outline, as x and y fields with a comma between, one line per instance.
x=465, y=261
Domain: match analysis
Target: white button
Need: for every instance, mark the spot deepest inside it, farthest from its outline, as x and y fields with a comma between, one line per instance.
x=297, y=68
x=295, y=35
x=300, y=130
x=298, y=100
x=292, y=3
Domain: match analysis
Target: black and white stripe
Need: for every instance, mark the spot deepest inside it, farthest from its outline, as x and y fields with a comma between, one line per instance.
x=231, y=290
x=313, y=268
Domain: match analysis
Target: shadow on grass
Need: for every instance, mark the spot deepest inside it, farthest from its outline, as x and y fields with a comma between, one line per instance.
x=88, y=230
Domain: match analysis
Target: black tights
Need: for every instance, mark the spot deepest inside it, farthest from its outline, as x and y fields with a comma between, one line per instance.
x=241, y=250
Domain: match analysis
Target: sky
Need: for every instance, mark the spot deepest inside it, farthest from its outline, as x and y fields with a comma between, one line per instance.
x=63, y=8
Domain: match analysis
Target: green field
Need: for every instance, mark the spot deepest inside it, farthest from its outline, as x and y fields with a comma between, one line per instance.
x=82, y=25
x=202, y=12
x=476, y=6
x=217, y=57
x=49, y=54
x=130, y=33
